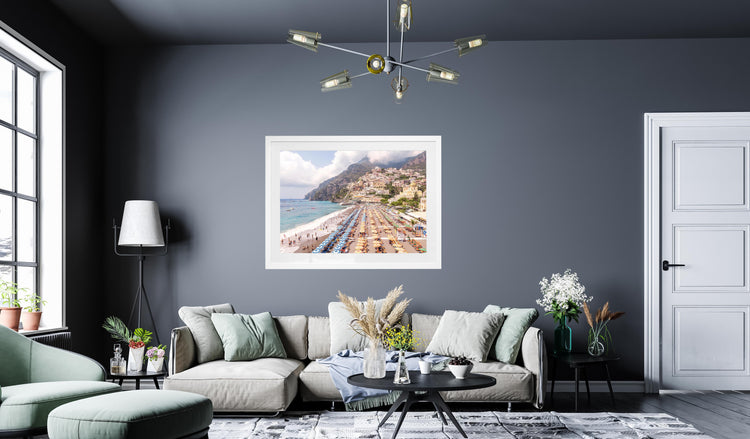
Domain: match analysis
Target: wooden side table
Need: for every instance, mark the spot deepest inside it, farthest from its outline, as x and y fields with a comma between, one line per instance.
x=579, y=362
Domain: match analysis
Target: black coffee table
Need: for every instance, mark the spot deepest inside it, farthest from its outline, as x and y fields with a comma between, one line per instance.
x=138, y=376
x=423, y=388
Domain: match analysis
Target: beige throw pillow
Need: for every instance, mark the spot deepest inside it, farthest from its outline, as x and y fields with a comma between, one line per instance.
x=465, y=333
x=342, y=335
x=208, y=346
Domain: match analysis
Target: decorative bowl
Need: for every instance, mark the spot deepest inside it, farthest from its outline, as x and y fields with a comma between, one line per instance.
x=460, y=371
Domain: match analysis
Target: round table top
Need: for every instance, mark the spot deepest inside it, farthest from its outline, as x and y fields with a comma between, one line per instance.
x=437, y=381
x=138, y=374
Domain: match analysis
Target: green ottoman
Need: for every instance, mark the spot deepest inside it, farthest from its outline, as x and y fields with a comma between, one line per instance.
x=163, y=414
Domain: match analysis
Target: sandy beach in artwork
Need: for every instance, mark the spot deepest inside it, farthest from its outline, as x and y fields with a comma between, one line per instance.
x=371, y=228
x=305, y=238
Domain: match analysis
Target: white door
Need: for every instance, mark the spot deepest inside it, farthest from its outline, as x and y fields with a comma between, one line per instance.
x=705, y=225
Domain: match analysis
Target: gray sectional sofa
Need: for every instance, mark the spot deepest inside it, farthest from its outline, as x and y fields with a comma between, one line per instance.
x=270, y=384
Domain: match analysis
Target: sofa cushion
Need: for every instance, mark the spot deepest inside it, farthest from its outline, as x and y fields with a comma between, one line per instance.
x=26, y=406
x=424, y=325
x=316, y=384
x=318, y=338
x=248, y=337
x=517, y=322
x=293, y=333
x=262, y=385
x=468, y=334
x=135, y=414
x=208, y=345
x=514, y=383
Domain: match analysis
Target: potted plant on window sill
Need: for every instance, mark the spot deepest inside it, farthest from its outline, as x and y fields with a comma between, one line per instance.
x=32, y=312
x=10, y=308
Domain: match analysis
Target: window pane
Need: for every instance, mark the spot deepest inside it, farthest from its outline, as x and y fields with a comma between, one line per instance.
x=26, y=101
x=6, y=90
x=26, y=279
x=6, y=273
x=6, y=159
x=26, y=229
x=26, y=165
x=6, y=228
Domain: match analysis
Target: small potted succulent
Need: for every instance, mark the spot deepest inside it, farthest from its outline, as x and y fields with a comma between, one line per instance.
x=10, y=307
x=155, y=355
x=32, y=311
x=460, y=366
x=136, y=340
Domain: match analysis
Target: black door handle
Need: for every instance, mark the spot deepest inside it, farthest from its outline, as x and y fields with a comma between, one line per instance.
x=665, y=265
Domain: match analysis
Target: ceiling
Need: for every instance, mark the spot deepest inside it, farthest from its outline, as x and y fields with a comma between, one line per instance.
x=121, y=22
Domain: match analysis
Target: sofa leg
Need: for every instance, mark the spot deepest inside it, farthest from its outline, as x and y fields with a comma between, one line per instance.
x=333, y=406
x=509, y=404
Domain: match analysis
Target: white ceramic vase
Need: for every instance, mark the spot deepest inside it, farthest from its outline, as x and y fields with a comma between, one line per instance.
x=135, y=359
x=155, y=365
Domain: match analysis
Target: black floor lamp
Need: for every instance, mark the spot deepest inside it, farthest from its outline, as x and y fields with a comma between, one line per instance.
x=141, y=227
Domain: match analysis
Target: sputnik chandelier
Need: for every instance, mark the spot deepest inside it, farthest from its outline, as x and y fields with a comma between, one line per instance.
x=377, y=63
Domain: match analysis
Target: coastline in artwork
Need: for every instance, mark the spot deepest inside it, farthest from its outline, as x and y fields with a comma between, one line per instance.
x=372, y=203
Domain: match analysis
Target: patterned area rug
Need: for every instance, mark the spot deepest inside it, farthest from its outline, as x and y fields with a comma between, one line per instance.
x=478, y=425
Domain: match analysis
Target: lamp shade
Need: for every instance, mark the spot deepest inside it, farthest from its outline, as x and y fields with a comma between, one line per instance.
x=141, y=224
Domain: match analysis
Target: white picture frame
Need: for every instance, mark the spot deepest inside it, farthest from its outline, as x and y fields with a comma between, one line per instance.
x=276, y=259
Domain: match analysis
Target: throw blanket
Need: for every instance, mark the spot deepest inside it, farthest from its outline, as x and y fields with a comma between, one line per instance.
x=347, y=363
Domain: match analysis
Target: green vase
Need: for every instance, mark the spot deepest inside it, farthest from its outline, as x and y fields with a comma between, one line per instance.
x=563, y=337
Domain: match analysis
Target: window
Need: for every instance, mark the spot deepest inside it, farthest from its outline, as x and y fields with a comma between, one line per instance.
x=19, y=204
x=32, y=173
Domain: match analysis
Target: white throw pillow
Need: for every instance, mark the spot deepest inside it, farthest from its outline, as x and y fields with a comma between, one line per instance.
x=468, y=334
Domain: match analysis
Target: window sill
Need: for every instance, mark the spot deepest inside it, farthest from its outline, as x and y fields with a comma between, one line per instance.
x=42, y=331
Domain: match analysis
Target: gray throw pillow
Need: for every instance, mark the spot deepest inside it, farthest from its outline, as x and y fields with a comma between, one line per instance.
x=517, y=322
x=208, y=345
x=248, y=337
x=342, y=335
x=469, y=334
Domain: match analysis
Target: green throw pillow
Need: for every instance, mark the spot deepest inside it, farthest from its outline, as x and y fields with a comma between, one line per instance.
x=248, y=337
x=517, y=322
x=469, y=334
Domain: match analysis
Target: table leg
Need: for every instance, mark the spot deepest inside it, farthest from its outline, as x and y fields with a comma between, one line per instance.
x=404, y=396
x=586, y=378
x=407, y=404
x=448, y=412
x=156, y=383
x=120, y=383
x=440, y=413
x=609, y=383
x=578, y=380
x=137, y=384
x=554, y=375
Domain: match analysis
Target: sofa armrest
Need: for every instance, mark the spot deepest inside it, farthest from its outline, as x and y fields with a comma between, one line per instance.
x=181, y=350
x=534, y=354
x=52, y=364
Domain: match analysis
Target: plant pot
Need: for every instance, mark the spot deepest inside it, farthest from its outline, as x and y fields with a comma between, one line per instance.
x=155, y=365
x=10, y=317
x=31, y=320
x=135, y=359
x=460, y=370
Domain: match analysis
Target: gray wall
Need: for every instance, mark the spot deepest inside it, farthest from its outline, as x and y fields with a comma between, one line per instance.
x=542, y=167
x=42, y=24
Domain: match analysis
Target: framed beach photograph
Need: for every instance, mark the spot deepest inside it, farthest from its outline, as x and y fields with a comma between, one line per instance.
x=353, y=202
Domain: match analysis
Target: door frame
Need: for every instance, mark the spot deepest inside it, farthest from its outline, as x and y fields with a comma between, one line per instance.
x=653, y=123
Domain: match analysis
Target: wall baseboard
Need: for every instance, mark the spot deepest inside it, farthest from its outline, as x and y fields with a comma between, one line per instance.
x=599, y=386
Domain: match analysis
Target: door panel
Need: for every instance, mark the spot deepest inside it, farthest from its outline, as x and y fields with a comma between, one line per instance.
x=705, y=307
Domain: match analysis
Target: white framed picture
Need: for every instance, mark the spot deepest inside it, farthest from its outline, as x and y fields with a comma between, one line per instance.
x=353, y=202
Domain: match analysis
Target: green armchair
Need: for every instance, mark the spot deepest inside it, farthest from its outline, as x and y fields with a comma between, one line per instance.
x=35, y=379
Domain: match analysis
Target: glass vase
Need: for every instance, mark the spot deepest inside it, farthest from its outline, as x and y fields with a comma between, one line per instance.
x=401, y=376
x=596, y=348
x=563, y=337
x=374, y=366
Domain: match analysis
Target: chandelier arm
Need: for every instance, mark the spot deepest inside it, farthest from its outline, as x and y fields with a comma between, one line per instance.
x=430, y=55
x=342, y=49
x=410, y=67
x=360, y=75
x=387, y=28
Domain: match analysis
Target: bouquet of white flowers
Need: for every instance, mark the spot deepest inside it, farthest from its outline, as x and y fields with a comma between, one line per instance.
x=562, y=296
